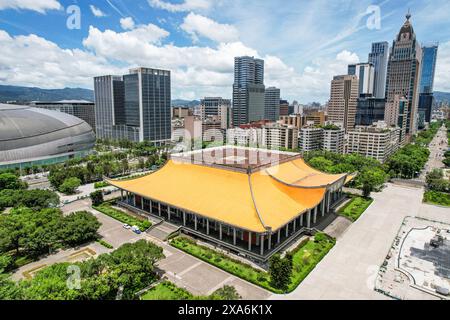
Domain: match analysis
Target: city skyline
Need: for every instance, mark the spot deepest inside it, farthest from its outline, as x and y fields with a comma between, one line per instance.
x=208, y=35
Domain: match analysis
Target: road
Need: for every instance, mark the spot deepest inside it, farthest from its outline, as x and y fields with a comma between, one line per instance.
x=349, y=269
x=437, y=149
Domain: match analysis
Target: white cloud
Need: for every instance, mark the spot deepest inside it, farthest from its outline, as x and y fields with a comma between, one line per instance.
x=34, y=61
x=35, y=5
x=197, y=25
x=442, y=78
x=97, y=12
x=118, y=45
x=187, y=5
x=127, y=23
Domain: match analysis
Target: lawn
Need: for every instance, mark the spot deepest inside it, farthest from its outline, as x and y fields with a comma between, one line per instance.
x=305, y=257
x=167, y=291
x=355, y=207
x=123, y=217
x=438, y=198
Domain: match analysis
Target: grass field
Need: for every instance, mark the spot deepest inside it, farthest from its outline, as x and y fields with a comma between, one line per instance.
x=355, y=207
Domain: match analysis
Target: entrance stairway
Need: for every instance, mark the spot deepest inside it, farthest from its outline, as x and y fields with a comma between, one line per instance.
x=163, y=230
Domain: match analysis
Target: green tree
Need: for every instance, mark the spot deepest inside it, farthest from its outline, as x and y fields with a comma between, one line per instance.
x=226, y=293
x=97, y=197
x=70, y=186
x=371, y=178
x=79, y=228
x=280, y=271
x=321, y=164
x=11, y=181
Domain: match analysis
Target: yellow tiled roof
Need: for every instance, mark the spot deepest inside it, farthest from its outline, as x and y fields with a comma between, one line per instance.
x=251, y=202
x=298, y=173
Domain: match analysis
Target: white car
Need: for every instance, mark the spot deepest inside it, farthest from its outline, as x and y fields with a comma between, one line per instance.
x=127, y=226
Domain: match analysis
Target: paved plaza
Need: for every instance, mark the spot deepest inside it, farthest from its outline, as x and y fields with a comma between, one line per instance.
x=351, y=267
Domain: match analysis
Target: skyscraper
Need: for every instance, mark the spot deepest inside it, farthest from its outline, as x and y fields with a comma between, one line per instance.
x=366, y=76
x=272, y=104
x=426, y=99
x=248, y=90
x=135, y=107
x=403, y=76
x=379, y=58
x=428, y=68
x=343, y=101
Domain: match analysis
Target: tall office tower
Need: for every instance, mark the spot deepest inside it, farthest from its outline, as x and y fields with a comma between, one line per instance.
x=134, y=107
x=426, y=99
x=216, y=107
x=403, y=76
x=109, y=106
x=379, y=58
x=272, y=104
x=343, y=101
x=248, y=90
x=428, y=68
x=147, y=103
x=366, y=75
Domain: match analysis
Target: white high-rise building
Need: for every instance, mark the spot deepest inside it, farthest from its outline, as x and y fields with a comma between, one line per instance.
x=379, y=58
x=366, y=76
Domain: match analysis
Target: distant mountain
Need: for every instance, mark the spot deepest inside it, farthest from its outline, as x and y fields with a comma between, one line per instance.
x=26, y=94
x=442, y=96
x=185, y=103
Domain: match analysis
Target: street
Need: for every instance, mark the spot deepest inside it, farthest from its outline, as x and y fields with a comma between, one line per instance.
x=437, y=149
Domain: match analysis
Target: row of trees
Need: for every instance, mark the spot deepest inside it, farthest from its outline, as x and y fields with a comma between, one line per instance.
x=35, y=199
x=119, y=274
x=31, y=233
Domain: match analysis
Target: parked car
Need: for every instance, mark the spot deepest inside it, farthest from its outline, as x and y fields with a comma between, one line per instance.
x=136, y=229
x=126, y=226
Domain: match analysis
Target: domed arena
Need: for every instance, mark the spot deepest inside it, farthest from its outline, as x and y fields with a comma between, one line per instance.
x=33, y=136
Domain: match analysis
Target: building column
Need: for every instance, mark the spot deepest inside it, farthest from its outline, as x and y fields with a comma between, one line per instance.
x=249, y=241
x=294, y=226
x=195, y=222
x=207, y=227
x=308, y=219
x=234, y=236
x=220, y=231
x=184, y=218
x=301, y=220
x=121, y=195
x=329, y=202
x=287, y=230
x=279, y=236
x=270, y=241
x=322, y=206
x=242, y=235
x=257, y=240
x=168, y=213
x=142, y=203
x=159, y=208
x=262, y=244
x=315, y=215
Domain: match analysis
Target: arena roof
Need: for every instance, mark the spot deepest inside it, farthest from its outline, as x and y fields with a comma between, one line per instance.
x=267, y=199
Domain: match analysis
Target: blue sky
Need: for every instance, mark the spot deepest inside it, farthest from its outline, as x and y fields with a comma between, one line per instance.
x=304, y=43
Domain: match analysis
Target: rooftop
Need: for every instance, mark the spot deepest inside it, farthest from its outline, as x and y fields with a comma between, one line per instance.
x=265, y=199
